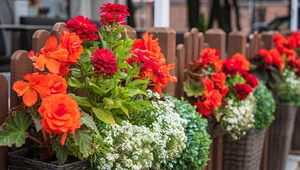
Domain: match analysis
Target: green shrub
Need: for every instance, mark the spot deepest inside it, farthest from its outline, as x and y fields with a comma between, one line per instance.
x=265, y=107
x=195, y=156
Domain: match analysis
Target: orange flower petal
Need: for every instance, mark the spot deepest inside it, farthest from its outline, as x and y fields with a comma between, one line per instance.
x=63, y=138
x=30, y=97
x=53, y=65
x=60, y=54
x=20, y=87
x=51, y=43
x=40, y=62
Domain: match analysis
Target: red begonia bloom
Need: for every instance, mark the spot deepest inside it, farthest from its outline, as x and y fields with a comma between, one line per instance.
x=208, y=84
x=250, y=79
x=242, y=91
x=202, y=109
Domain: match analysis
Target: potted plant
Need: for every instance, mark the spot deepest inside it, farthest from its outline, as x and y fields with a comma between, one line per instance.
x=90, y=107
x=276, y=67
x=224, y=94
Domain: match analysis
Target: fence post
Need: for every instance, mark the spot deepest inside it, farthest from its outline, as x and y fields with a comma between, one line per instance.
x=201, y=42
x=180, y=54
x=58, y=29
x=216, y=38
x=188, y=44
x=19, y=65
x=39, y=39
x=236, y=43
x=167, y=43
x=266, y=38
x=195, y=43
x=129, y=31
x=254, y=45
x=3, y=115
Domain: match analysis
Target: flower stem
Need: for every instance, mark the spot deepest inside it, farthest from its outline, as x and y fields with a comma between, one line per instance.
x=36, y=140
x=44, y=137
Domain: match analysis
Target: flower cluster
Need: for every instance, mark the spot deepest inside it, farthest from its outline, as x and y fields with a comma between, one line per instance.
x=157, y=139
x=113, y=14
x=214, y=83
x=148, y=54
x=238, y=117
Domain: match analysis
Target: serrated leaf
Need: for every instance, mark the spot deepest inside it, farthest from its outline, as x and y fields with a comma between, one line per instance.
x=193, y=89
x=85, y=142
x=14, y=129
x=60, y=151
x=89, y=122
x=82, y=101
x=104, y=115
x=35, y=117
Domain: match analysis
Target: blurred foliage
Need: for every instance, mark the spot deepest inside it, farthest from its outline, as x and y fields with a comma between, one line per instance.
x=195, y=156
x=265, y=107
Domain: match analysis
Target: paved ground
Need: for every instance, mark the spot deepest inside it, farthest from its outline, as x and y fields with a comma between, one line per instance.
x=293, y=162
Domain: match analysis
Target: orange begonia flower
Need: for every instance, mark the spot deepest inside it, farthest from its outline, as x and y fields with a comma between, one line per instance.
x=60, y=115
x=242, y=61
x=35, y=83
x=44, y=85
x=51, y=56
x=72, y=43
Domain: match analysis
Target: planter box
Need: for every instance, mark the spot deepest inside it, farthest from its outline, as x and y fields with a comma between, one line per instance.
x=280, y=135
x=243, y=154
x=295, y=147
x=18, y=160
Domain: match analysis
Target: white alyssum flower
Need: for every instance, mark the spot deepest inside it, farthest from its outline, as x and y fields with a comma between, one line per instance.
x=157, y=139
x=238, y=117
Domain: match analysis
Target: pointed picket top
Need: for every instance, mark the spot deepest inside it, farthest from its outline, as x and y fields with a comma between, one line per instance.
x=58, y=29
x=129, y=31
x=236, y=43
x=195, y=33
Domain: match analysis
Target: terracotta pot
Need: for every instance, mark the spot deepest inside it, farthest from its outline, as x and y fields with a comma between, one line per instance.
x=280, y=136
x=18, y=160
x=245, y=153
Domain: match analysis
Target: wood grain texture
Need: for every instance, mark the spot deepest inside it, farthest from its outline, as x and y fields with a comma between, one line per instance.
x=216, y=38
x=3, y=115
x=20, y=64
x=58, y=29
x=195, y=32
x=188, y=44
x=236, y=43
x=266, y=38
x=180, y=54
x=39, y=39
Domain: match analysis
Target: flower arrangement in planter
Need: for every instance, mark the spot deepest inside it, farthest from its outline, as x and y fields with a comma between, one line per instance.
x=100, y=105
x=278, y=68
x=224, y=90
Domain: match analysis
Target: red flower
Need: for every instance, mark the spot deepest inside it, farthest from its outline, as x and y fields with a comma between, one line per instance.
x=224, y=90
x=202, y=109
x=218, y=65
x=250, y=79
x=277, y=60
x=208, y=84
x=209, y=55
x=292, y=42
x=83, y=27
x=104, y=61
x=213, y=99
x=219, y=79
x=242, y=61
x=289, y=54
x=111, y=13
x=230, y=67
x=241, y=91
x=279, y=40
x=72, y=43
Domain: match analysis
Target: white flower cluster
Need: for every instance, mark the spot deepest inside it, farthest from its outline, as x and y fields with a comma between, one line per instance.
x=291, y=80
x=238, y=117
x=141, y=147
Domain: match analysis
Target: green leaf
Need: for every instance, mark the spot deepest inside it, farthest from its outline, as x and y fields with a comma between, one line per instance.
x=112, y=104
x=85, y=57
x=85, y=142
x=89, y=122
x=104, y=115
x=132, y=91
x=35, y=116
x=82, y=101
x=193, y=89
x=125, y=111
x=137, y=82
x=73, y=82
x=14, y=129
x=61, y=152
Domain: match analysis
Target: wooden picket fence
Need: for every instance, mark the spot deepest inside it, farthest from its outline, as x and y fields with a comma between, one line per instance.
x=194, y=42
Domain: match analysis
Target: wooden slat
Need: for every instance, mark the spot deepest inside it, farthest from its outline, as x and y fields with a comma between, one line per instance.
x=266, y=38
x=217, y=153
x=248, y=51
x=180, y=54
x=254, y=45
x=129, y=31
x=216, y=38
x=188, y=43
x=264, y=160
x=39, y=39
x=58, y=29
x=236, y=43
x=195, y=46
x=19, y=65
x=3, y=115
x=167, y=43
x=201, y=42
